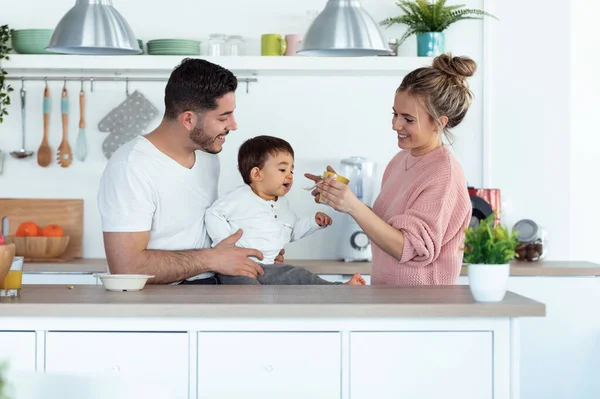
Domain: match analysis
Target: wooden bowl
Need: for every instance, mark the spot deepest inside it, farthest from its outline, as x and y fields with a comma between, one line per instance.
x=39, y=247
x=7, y=254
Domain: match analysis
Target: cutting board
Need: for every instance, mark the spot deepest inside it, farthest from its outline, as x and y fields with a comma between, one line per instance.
x=68, y=213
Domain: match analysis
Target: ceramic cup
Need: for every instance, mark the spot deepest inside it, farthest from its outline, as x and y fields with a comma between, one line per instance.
x=272, y=44
x=293, y=44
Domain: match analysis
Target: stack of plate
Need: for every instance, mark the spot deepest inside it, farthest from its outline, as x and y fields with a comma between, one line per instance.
x=31, y=41
x=173, y=47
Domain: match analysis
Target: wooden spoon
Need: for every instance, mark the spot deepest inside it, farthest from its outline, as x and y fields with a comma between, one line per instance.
x=65, y=156
x=44, y=155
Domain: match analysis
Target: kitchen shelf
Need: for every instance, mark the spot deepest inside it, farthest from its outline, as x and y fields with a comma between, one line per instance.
x=21, y=65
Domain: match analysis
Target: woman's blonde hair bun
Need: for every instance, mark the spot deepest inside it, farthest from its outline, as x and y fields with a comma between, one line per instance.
x=459, y=67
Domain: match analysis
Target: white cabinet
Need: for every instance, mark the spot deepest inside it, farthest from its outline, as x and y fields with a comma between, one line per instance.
x=269, y=365
x=421, y=365
x=159, y=360
x=17, y=349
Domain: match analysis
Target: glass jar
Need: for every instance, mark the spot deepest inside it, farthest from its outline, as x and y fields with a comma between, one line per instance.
x=532, y=240
x=216, y=44
x=235, y=45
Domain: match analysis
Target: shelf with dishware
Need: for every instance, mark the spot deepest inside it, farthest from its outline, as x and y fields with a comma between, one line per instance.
x=24, y=65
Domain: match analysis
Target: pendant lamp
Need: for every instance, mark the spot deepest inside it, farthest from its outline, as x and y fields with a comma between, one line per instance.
x=93, y=27
x=344, y=29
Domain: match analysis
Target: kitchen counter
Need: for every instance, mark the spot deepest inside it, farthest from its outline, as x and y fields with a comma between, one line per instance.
x=333, y=267
x=191, y=342
x=268, y=301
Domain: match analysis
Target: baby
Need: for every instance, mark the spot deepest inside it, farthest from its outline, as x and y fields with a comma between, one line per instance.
x=259, y=208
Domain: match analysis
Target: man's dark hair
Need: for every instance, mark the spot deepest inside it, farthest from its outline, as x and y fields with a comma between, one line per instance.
x=195, y=85
x=255, y=151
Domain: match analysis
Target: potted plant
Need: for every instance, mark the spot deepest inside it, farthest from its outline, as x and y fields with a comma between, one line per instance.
x=488, y=250
x=428, y=19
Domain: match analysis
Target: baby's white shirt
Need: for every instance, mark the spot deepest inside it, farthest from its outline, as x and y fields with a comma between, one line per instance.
x=267, y=225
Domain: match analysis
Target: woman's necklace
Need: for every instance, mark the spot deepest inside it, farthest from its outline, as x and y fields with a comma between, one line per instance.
x=406, y=167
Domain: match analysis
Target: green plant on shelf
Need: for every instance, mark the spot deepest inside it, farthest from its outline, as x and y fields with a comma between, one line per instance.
x=5, y=88
x=489, y=244
x=423, y=16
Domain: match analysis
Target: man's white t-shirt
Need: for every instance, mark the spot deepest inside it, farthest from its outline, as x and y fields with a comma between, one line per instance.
x=143, y=189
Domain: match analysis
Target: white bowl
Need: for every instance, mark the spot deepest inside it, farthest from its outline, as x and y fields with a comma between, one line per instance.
x=123, y=282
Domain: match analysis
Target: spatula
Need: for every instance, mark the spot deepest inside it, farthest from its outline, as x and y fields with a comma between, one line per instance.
x=81, y=142
x=44, y=155
x=65, y=156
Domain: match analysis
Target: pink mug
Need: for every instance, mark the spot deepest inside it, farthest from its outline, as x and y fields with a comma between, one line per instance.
x=293, y=44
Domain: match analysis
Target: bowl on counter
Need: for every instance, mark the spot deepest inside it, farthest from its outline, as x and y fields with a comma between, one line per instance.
x=39, y=247
x=7, y=254
x=123, y=282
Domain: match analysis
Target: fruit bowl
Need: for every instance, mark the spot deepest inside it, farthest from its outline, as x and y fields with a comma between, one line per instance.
x=7, y=254
x=39, y=247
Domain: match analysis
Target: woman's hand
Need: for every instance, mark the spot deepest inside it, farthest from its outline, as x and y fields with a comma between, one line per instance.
x=316, y=179
x=338, y=195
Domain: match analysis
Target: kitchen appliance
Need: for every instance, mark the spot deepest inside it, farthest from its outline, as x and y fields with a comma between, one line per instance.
x=484, y=201
x=355, y=246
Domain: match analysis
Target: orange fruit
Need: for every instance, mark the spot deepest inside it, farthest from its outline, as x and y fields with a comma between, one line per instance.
x=28, y=229
x=53, y=230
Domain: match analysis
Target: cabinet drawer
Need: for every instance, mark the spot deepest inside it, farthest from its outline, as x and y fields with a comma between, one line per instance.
x=17, y=349
x=268, y=365
x=158, y=358
x=421, y=365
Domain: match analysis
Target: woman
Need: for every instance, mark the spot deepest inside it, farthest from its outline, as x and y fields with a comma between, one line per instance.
x=418, y=220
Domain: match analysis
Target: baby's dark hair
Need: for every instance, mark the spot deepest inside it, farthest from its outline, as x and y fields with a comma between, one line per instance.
x=253, y=153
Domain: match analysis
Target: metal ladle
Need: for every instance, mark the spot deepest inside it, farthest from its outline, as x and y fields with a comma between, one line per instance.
x=22, y=153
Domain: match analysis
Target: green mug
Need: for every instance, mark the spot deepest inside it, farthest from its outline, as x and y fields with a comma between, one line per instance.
x=272, y=44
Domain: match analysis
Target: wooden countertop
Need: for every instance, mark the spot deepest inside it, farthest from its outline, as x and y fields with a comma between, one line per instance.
x=330, y=301
x=541, y=268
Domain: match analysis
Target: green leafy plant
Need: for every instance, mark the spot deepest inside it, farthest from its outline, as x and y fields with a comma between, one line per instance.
x=424, y=16
x=489, y=244
x=5, y=89
x=3, y=383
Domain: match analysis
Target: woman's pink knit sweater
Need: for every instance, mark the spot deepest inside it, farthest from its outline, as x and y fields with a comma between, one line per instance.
x=426, y=198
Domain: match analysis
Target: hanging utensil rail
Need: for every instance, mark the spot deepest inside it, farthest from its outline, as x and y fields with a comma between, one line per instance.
x=93, y=79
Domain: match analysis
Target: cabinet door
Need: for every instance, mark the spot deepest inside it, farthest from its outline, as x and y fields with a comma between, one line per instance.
x=136, y=358
x=421, y=365
x=17, y=350
x=269, y=365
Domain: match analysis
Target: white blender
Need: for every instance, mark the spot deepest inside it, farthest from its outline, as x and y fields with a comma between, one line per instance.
x=355, y=246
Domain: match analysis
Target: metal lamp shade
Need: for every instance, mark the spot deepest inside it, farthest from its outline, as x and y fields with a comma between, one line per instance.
x=344, y=29
x=93, y=27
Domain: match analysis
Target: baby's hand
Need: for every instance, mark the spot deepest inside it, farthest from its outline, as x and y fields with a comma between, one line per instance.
x=322, y=219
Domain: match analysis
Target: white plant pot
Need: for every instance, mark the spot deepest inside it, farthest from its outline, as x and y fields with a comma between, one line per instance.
x=488, y=282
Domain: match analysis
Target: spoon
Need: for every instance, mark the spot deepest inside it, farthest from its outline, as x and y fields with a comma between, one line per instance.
x=22, y=153
x=44, y=152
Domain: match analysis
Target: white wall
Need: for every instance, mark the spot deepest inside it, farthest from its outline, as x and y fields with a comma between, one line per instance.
x=325, y=119
x=585, y=140
x=531, y=137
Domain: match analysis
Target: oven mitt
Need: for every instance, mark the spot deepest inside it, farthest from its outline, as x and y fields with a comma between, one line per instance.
x=125, y=122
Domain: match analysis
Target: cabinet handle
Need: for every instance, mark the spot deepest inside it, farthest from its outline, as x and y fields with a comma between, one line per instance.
x=116, y=368
x=269, y=368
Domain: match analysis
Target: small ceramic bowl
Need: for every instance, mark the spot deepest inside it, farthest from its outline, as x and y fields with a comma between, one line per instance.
x=123, y=282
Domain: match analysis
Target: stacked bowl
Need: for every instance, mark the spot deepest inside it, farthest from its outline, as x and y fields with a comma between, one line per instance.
x=31, y=41
x=173, y=47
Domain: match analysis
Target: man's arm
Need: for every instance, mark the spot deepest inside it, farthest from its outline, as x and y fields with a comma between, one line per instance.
x=127, y=253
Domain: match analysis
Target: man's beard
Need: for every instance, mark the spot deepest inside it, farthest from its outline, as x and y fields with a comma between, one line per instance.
x=203, y=141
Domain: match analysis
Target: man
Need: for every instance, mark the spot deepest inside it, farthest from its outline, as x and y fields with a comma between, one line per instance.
x=156, y=188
